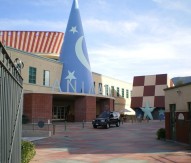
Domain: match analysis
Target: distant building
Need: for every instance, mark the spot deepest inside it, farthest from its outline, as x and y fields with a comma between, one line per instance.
x=109, y=86
x=178, y=113
x=44, y=101
x=148, y=91
x=62, y=88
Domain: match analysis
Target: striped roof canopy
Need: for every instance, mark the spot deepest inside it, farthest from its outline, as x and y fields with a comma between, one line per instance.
x=40, y=42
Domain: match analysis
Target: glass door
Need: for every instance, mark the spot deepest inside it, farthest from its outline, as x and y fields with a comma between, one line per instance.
x=60, y=112
x=173, y=121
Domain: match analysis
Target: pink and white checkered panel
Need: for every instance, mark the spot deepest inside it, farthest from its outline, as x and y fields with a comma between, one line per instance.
x=138, y=81
x=161, y=79
x=136, y=102
x=149, y=89
x=159, y=101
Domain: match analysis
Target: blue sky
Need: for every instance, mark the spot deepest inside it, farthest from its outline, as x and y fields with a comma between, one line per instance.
x=125, y=38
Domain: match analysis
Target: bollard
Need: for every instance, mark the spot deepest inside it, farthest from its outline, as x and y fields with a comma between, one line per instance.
x=48, y=124
x=83, y=124
x=65, y=125
x=33, y=126
x=49, y=133
x=54, y=129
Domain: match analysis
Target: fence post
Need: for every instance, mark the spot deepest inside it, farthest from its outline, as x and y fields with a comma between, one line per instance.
x=83, y=124
x=11, y=104
x=33, y=126
x=65, y=125
x=54, y=126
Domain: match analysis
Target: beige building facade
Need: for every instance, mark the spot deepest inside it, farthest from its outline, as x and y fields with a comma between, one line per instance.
x=41, y=82
x=178, y=113
x=41, y=65
x=112, y=87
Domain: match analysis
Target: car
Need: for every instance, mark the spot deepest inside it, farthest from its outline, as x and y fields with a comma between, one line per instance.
x=106, y=119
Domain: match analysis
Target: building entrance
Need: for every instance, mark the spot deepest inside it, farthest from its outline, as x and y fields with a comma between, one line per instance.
x=60, y=112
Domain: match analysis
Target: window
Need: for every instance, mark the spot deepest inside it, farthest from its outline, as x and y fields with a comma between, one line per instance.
x=112, y=91
x=100, y=88
x=122, y=92
x=46, y=78
x=106, y=90
x=117, y=91
x=127, y=93
x=32, y=75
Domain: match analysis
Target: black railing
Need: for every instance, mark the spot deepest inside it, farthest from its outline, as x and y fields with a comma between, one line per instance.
x=11, y=96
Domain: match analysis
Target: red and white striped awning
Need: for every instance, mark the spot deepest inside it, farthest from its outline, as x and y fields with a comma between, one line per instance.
x=33, y=41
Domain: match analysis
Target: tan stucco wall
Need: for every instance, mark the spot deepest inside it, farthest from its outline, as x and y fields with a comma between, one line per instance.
x=120, y=102
x=41, y=64
x=179, y=96
x=55, y=68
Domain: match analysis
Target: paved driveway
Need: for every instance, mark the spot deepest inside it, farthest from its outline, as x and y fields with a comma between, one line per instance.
x=131, y=143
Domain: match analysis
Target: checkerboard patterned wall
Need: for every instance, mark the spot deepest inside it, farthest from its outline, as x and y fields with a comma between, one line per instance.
x=149, y=88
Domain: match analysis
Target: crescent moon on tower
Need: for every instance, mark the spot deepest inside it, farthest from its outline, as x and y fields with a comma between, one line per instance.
x=80, y=54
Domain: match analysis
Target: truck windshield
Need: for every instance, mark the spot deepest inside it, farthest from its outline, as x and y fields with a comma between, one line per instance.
x=105, y=114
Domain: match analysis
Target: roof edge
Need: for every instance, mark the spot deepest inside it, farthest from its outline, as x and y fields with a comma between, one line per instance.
x=177, y=86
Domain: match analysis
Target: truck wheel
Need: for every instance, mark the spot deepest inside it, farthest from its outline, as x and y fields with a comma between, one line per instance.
x=94, y=126
x=118, y=124
x=107, y=126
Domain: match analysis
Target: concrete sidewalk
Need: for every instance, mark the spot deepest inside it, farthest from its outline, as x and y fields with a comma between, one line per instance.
x=131, y=143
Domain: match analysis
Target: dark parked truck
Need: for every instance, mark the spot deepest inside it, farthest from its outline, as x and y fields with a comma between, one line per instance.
x=106, y=119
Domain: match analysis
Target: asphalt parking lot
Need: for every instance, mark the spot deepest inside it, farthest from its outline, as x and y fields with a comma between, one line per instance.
x=131, y=143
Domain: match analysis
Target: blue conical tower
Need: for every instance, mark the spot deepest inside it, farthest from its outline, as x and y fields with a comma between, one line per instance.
x=76, y=72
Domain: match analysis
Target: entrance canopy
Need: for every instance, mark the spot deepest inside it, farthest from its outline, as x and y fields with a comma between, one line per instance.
x=127, y=111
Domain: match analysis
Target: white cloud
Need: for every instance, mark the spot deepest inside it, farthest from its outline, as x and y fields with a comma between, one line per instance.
x=102, y=3
x=41, y=3
x=48, y=2
x=110, y=27
x=148, y=51
x=133, y=44
x=25, y=24
x=168, y=53
x=178, y=5
x=146, y=37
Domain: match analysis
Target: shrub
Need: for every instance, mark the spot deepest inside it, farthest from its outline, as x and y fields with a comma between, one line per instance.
x=161, y=133
x=27, y=151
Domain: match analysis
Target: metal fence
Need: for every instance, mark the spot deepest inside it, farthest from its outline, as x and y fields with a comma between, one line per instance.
x=11, y=99
x=39, y=127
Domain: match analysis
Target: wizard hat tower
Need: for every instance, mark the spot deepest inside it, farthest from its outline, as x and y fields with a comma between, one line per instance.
x=76, y=72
